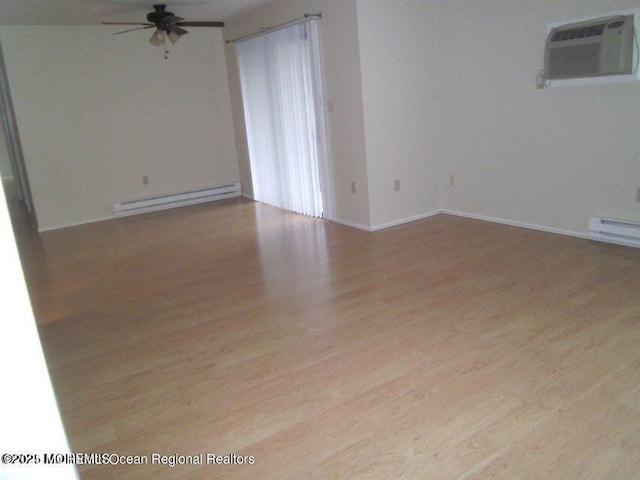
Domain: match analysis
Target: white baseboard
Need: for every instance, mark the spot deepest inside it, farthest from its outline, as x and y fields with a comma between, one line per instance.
x=365, y=228
x=402, y=221
x=74, y=224
x=346, y=223
x=185, y=203
x=541, y=228
x=383, y=226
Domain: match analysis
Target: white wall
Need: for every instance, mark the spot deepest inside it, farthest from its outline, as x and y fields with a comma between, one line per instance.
x=398, y=63
x=422, y=90
x=28, y=411
x=543, y=157
x=342, y=82
x=96, y=112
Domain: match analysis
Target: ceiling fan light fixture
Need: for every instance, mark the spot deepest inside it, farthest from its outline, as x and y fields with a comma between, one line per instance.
x=173, y=37
x=158, y=38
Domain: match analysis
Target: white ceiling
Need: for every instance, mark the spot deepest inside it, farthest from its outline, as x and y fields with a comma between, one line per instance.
x=92, y=12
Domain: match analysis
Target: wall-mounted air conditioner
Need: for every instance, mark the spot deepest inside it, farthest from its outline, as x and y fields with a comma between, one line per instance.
x=592, y=51
x=593, y=48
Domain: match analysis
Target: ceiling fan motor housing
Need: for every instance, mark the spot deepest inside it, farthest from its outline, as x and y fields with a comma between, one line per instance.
x=159, y=14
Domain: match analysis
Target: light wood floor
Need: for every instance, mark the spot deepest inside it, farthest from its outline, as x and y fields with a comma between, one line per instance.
x=443, y=349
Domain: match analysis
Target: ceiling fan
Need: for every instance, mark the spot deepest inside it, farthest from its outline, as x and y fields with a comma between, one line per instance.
x=167, y=25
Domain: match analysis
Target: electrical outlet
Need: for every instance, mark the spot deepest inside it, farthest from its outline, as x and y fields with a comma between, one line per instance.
x=638, y=194
x=145, y=180
x=452, y=180
x=353, y=187
x=396, y=185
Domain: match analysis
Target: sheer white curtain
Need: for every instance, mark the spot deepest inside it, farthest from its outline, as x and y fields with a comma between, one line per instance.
x=280, y=80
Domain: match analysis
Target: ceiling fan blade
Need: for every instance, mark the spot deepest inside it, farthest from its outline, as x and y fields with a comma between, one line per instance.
x=134, y=29
x=200, y=24
x=171, y=19
x=126, y=23
x=178, y=30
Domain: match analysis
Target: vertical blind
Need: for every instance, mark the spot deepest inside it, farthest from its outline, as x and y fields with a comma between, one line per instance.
x=280, y=81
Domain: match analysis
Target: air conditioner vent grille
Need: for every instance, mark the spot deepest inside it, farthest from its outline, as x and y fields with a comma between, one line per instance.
x=576, y=61
x=591, y=31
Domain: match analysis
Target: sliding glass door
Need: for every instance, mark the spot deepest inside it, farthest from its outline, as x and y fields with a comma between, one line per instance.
x=282, y=97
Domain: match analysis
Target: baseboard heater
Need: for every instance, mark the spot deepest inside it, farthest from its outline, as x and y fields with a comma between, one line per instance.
x=163, y=202
x=620, y=231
